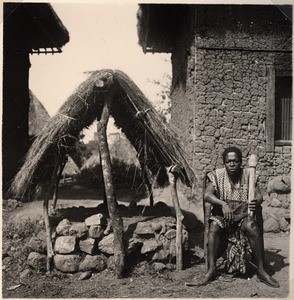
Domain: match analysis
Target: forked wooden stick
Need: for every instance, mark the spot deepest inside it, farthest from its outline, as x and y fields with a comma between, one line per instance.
x=179, y=216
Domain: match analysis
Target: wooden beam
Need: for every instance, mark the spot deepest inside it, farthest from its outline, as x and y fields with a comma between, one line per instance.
x=270, y=110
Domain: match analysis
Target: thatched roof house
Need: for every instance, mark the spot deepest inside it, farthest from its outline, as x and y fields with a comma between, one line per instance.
x=154, y=140
x=27, y=28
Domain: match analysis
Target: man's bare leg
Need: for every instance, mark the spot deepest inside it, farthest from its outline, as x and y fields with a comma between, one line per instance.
x=252, y=232
x=215, y=248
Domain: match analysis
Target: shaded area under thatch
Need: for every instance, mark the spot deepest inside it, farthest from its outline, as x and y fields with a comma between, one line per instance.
x=154, y=140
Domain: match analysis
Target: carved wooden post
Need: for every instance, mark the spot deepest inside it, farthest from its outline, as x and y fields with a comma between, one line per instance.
x=56, y=187
x=179, y=216
x=147, y=181
x=116, y=220
x=47, y=190
x=252, y=162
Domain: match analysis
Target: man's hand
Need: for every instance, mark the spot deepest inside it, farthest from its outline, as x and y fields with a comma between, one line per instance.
x=227, y=211
x=253, y=205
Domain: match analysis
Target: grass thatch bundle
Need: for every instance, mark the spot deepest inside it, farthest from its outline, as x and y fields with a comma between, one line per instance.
x=154, y=140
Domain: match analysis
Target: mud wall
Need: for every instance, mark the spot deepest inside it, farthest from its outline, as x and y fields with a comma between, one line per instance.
x=225, y=97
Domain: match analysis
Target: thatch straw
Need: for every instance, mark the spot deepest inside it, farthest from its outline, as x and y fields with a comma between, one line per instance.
x=154, y=140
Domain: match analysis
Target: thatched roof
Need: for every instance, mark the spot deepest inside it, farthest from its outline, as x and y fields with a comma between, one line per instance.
x=161, y=26
x=70, y=168
x=154, y=140
x=34, y=25
x=38, y=115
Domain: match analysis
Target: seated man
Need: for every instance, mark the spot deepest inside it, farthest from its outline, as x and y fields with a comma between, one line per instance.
x=227, y=191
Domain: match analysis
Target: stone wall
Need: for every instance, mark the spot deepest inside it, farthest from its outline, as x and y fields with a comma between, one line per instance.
x=224, y=100
x=88, y=247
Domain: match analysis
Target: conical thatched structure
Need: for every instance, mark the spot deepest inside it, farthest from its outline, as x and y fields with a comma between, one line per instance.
x=154, y=140
x=38, y=115
x=70, y=168
x=92, y=162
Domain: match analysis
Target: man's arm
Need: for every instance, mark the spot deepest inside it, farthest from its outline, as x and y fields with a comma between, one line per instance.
x=210, y=197
x=258, y=199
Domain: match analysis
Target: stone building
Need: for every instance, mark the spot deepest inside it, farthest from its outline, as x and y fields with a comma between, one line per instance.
x=231, y=80
x=28, y=28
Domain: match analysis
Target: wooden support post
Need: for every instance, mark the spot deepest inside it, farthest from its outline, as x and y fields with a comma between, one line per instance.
x=147, y=182
x=179, y=216
x=46, y=193
x=103, y=183
x=56, y=187
x=116, y=220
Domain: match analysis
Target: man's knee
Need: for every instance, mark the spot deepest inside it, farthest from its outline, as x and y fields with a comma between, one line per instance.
x=214, y=228
x=250, y=227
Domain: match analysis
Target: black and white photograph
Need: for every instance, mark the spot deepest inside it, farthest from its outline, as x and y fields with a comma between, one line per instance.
x=147, y=149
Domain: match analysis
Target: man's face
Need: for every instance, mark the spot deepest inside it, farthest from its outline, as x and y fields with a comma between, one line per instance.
x=232, y=163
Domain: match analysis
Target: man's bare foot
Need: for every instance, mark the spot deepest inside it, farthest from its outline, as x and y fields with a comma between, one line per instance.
x=209, y=276
x=268, y=280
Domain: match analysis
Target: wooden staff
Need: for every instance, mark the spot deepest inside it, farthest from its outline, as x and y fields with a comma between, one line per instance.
x=252, y=162
x=179, y=238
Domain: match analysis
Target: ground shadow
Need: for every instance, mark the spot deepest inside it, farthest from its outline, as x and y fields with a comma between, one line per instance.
x=274, y=261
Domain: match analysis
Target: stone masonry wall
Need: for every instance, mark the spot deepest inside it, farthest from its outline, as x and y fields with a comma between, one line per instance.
x=226, y=90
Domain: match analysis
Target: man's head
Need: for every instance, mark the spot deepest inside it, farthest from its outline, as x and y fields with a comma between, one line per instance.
x=232, y=158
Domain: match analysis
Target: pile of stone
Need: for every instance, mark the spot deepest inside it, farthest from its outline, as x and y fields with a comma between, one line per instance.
x=277, y=205
x=88, y=246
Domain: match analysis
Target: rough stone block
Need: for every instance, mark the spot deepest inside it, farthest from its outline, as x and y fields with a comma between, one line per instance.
x=87, y=245
x=106, y=244
x=37, y=245
x=156, y=226
x=92, y=262
x=85, y=275
x=271, y=225
x=158, y=266
x=65, y=244
x=275, y=202
x=37, y=261
x=67, y=263
x=79, y=230
x=97, y=219
x=63, y=227
x=284, y=225
x=150, y=245
x=280, y=184
x=96, y=231
x=162, y=255
x=144, y=229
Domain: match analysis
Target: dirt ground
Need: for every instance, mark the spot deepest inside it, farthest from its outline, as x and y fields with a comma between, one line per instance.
x=143, y=282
